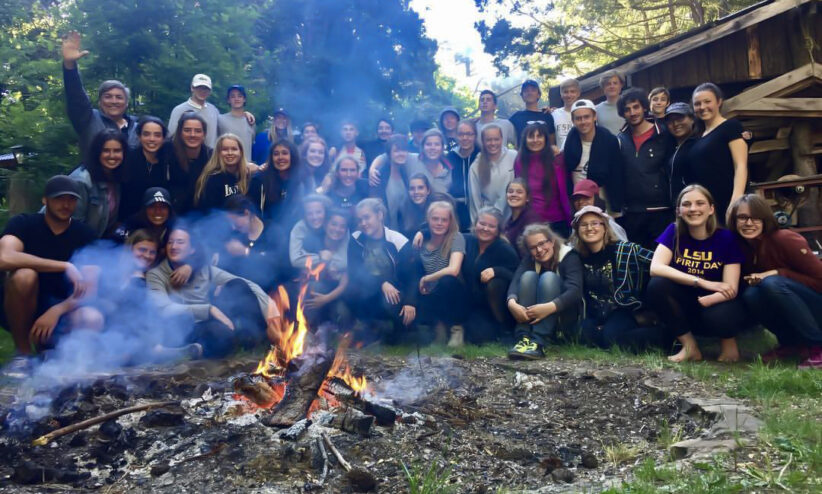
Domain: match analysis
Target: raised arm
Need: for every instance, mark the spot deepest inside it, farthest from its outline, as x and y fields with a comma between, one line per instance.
x=78, y=105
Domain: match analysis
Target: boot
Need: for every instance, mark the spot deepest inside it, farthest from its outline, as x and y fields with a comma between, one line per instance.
x=457, y=337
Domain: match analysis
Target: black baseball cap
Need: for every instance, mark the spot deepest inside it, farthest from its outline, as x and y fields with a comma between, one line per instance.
x=679, y=108
x=155, y=195
x=532, y=83
x=238, y=87
x=61, y=185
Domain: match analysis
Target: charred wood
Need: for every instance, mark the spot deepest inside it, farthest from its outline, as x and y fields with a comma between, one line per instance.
x=301, y=390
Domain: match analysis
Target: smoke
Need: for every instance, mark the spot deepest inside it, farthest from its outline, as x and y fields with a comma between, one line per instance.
x=418, y=379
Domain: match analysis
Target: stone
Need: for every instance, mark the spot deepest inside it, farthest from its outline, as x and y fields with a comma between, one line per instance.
x=604, y=375
x=698, y=448
x=562, y=475
x=160, y=469
x=589, y=460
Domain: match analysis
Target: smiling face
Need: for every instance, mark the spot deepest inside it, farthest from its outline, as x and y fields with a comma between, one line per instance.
x=399, y=156
x=370, y=222
x=236, y=100
x=348, y=172
x=486, y=228
x=280, y=121
x=706, y=105
x=680, y=126
x=580, y=201
x=179, y=246
x=612, y=88
x=450, y=121
x=145, y=254
x=530, y=95
x=432, y=148
x=151, y=137
x=418, y=191
x=516, y=196
x=113, y=103
x=384, y=130
x=336, y=227
x=314, y=215
x=439, y=220
x=659, y=102
x=193, y=133
x=634, y=113
x=492, y=142
x=540, y=247
x=157, y=213
x=315, y=154
x=569, y=94
x=584, y=120
x=231, y=154
x=200, y=93
x=695, y=209
x=535, y=141
x=281, y=157
x=747, y=226
x=466, y=136
x=591, y=229
x=111, y=156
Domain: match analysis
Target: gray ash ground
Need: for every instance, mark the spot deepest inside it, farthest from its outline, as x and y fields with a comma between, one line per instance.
x=494, y=423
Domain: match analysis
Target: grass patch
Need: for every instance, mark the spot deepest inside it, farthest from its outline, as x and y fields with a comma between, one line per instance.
x=6, y=347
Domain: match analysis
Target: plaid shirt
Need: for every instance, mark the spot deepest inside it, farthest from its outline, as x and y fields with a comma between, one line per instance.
x=633, y=264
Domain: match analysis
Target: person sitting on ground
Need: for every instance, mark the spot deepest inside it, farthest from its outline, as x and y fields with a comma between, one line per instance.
x=546, y=177
x=251, y=251
x=491, y=171
x=200, y=91
x=615, y=275
x=324, y=301
x=99, y=182
x=518, y=199
x=234, y=314
x=545, y=292
x=374, y=291
x=42, y=284
x=660, y=99
x=489, y=264
x=695, y=278
x=586, y=193
x=461, y=159
x=225, y=175
x=146, y=165
x=447, y=124
x=784, y=281
x=278, y=190
x=347, y=188
x=279, y=130
x=308, y=230
x=112, y=98
x=436, y=274
x=156, y=217
x=314, y=153
x=189, y=158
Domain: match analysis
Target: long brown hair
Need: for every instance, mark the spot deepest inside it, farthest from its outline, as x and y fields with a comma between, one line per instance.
x=681, y=226
x=759, y=210
x=216, y=165
x=177, y=141
x=546, y=158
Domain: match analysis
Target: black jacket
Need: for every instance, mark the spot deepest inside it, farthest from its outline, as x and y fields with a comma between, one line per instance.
x=140, y=175
x=678, y=167
x=500, y=255
x=362, y=284
x=605, y=165
x=646, y=170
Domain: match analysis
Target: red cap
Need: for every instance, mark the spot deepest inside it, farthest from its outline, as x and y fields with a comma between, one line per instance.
x=587, y=188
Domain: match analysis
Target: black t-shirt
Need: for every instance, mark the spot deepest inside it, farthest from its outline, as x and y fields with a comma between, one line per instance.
x=710, y=163
x=598, y=283
x=38, y=240
x=522, y=118
x=217, y=189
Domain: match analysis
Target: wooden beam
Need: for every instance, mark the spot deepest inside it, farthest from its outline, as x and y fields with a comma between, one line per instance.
x=784, y=132
x=700, y=38
x=768, y=146
x=780, y=86
x=754, y=57
x=783, y=107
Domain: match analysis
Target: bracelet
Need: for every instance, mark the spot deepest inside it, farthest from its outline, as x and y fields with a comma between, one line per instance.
x=696, y=280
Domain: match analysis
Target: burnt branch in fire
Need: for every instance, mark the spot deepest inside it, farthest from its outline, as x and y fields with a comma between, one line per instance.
x=301, y=390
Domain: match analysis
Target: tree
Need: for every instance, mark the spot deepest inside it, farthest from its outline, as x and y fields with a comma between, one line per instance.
x=579, y=35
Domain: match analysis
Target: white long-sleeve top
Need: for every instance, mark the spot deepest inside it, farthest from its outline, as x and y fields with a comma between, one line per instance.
x=502, y=172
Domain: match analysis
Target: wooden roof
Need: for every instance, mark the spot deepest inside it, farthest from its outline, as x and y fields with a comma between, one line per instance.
x=772, y=98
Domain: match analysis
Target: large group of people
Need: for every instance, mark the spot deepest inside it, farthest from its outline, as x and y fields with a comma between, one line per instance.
x=623, y=223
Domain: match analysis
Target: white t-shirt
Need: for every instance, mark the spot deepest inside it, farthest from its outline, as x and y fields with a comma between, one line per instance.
x=562, y=125
x=581, y=171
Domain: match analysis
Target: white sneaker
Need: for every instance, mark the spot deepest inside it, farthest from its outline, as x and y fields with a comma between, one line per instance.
x=457, y=337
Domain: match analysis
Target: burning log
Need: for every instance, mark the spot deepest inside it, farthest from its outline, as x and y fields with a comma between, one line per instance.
x=300, y=391
x=385, y=414
x=256, y=389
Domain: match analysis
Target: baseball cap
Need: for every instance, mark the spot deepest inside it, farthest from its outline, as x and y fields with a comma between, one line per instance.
x=582, y=104
x=238, y=87
x=679, y=108
x=201, y=80
x=586, y=188
x=532, y=83
x=61, y=185
x=155, y=195
x=589, y=210
x=280, y=111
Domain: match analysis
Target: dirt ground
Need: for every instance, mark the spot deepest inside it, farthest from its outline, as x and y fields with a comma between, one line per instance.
x=486, y=424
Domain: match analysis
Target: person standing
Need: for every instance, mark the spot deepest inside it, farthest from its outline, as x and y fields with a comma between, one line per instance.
x=112, y=99
x=372, y=149
x=608, y=114
x=530, y=94
x=660, y=99
x=679, y=118
x=488, y=116
x=280, y=128
x=719, y=158
x=349, y=133
x=190, y=157
x=200, y=91
x=448, y=122
x=646, y=150
x=235, y=121
x=491, y=172
x=569, y=91
x=461, y=160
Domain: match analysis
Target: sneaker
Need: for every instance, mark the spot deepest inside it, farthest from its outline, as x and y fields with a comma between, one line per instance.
x=814, y=361
x=457, y=337
x=532, y=351
x=516, y=352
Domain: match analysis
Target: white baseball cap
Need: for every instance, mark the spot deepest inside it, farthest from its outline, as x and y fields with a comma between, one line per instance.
x=201, y=80
x=583, y=104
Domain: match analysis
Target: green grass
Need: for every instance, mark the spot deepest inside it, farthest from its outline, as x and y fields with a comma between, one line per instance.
x=6, y=347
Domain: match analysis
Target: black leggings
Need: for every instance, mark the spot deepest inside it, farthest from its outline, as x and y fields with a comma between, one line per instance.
x=446, y=303
x=621, y=329
x=678, y=308
x=488, y=317
x=239, y=304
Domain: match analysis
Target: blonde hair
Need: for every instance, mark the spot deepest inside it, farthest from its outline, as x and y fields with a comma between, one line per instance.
x=540, y=229
x=681, y=226
x=483, y=163
x=216, y=165
x=453, y=224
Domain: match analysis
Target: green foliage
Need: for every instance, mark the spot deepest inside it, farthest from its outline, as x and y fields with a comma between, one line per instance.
x=551, y=38
x=431, y=480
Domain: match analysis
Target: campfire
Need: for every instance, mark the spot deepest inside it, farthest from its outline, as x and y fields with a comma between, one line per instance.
x=294, y=382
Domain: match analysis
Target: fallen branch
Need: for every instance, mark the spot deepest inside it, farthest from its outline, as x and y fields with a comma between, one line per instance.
x=45, y=439
x=325, y=462
x=336, y=452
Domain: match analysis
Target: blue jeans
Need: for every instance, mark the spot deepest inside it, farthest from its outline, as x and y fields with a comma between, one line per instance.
x=540, y=289
x=789, y=309
x=621, y=329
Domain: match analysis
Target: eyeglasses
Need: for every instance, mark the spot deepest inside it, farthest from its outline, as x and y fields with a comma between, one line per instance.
x=744, y=218
x=590, y=226
x=531, y=122
x=539, y=245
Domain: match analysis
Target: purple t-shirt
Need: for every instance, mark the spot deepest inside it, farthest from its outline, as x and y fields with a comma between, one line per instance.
x=703, y=258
